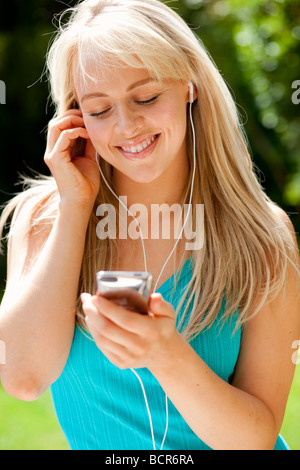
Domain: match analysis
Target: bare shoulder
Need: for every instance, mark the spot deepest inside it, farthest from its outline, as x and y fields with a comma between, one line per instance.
x=285, y=219
x=283, y=216
x=289, y=294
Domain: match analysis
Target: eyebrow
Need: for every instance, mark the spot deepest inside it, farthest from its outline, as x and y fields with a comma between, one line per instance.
x=131, y=87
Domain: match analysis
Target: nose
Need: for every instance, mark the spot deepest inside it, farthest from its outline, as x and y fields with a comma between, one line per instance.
x=128, y=121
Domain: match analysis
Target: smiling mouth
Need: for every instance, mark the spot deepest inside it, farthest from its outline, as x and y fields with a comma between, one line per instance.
x=136, y=149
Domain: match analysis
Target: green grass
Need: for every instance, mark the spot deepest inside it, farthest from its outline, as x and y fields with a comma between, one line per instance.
x=29, y=425
x=33, y=425
x=291, y=423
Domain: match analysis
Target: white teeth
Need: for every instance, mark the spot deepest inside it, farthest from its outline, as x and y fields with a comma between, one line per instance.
x=139, y=147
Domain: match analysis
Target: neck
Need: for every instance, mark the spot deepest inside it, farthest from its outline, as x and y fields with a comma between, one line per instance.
x=168, y=188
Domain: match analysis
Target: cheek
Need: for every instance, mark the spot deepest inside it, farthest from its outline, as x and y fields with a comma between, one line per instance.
x=172, y=117
x=98, y=132
x=164, y=116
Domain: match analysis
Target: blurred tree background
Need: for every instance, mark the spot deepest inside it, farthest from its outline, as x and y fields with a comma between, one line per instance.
x=255, y=44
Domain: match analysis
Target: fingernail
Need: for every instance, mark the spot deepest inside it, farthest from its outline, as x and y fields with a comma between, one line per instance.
x=156, y=295
x=84, y=297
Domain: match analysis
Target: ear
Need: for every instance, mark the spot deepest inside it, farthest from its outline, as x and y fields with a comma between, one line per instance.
x=74, y=104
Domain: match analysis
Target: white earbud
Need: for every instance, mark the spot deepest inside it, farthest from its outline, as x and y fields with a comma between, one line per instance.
x=191, y=89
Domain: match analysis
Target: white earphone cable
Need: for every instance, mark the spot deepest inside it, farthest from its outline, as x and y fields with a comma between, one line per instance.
x=190, y=200
x=126, y=208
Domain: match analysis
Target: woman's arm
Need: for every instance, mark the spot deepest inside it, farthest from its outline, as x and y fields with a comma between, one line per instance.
x=37, y=313
x=246, y=414
x=38, y=308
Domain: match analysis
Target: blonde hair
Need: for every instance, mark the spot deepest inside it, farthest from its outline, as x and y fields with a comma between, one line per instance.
x=247, y=247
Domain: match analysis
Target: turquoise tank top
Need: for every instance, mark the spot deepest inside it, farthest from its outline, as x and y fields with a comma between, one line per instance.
x=100, y=406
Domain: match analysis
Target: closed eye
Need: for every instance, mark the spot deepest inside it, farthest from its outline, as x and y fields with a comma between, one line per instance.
x=100, y=114
x=151, y=100
x=140, y=102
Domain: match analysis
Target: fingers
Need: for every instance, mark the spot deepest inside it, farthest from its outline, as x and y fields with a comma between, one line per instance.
x=67, y=137
x=119, y=345
x=61, y=125
x=72, y=165
x=160, y=307
x=61, y=152
x=129, y=339
x=103, y=314
x=125, y=319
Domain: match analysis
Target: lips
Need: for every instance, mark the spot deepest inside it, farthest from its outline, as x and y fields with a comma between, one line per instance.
x=138, y=148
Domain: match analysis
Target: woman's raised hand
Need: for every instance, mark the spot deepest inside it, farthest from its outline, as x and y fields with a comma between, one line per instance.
x=77, y=177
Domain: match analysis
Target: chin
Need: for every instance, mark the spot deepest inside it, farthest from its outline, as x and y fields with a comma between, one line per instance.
x=143, y=177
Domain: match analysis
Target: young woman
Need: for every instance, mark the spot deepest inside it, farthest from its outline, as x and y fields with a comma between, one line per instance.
x=211, y=365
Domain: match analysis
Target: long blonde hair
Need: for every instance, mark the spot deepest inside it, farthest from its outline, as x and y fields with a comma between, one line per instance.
x=247, y=247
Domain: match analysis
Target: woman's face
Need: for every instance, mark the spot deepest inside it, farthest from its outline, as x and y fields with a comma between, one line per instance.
x=136, y=123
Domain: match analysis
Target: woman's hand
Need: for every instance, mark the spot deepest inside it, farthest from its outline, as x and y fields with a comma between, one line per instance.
x=77, y=177
x=129, y=339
